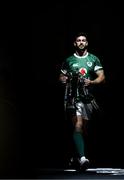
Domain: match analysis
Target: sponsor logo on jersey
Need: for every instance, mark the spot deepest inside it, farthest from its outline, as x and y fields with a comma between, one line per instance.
x=83, y=71
x=89, y=64
x=75, y=65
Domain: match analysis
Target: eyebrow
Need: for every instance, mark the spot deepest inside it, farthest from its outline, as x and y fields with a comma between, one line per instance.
x=81, y=39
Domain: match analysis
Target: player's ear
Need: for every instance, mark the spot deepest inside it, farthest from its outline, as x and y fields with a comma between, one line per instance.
x=86, y=43
x=74, y=43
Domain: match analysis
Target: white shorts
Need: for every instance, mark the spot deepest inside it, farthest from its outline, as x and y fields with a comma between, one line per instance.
x=86, y=110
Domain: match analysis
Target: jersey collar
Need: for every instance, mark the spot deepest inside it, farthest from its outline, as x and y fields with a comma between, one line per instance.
x=81, y=56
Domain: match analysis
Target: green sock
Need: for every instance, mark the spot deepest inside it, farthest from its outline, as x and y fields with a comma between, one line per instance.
x=79, y=142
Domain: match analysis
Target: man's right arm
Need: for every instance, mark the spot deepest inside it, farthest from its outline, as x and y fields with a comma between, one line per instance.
x=63, y=78
x=63, y=73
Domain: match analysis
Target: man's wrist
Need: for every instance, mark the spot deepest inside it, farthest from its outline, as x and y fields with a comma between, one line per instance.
x=93, y=82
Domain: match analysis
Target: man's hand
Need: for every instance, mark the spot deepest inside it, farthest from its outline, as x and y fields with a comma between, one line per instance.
x=63, y=78
x=87, y=82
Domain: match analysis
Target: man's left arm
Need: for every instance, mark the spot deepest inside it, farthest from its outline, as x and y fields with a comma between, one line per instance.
x=99, y=79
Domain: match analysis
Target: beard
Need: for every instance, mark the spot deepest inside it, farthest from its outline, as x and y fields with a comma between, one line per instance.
x=80, y=48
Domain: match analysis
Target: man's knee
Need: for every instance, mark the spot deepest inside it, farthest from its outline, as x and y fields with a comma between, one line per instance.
x=78, y=129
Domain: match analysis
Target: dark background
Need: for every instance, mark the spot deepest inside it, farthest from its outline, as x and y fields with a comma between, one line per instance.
x=34, y=40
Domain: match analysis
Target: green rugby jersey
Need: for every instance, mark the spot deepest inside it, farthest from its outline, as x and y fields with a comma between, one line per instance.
x=86, y=65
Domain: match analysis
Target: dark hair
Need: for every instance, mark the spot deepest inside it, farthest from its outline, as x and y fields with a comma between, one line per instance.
x=80, y=34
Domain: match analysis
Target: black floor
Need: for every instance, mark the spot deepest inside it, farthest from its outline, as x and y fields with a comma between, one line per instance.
x=61, y=173
x=91, y=173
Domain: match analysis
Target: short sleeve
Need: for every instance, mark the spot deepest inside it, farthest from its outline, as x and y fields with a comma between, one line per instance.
x=64, y=67
x=98, y=64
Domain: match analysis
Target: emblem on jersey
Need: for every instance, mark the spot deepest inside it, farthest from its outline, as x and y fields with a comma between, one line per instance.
x=83, y=71
x=89, y=64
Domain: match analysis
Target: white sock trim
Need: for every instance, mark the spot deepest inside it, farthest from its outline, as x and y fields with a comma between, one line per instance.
x=82, y=158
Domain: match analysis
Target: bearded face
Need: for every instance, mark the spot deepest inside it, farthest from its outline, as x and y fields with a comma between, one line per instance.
x=81, y=43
